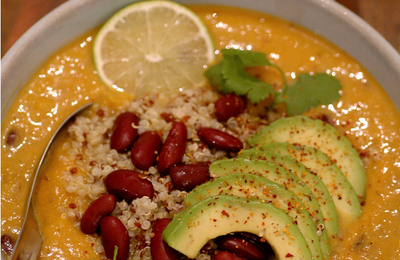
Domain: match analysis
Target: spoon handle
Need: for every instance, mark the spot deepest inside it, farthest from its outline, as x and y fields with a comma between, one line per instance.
x=30, y=240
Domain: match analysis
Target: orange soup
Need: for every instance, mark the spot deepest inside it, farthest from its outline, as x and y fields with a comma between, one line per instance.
x=364, y=114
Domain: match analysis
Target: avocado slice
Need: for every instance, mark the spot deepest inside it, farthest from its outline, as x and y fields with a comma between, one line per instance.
x=258, y=187
x=318, y=188
x=343, y=194
x=303, y=130
x=215, y=216
x=274, y=173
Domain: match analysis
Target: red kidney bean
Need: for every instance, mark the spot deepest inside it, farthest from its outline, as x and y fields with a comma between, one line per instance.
x=11, y=136
x=215, y=138
x=229, y=106
x=114, y=234
x=174, y=148
x=146, y=149
x=128, y=185
x=240, y=247
x=98, y=209
x=124, y=134
x=159, y=249
x=223, y=255
x=7, y=244
x=259, y=241
x=187, y=176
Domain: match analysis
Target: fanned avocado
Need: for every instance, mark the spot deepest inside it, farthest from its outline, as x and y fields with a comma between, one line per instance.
x=274, y=173
x=258, y=187
x=343, y=194
x=317, y=133
x=318, y=188
x=215, y=216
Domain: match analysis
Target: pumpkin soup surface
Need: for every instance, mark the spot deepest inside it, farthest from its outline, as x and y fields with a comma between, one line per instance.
x=68, y=80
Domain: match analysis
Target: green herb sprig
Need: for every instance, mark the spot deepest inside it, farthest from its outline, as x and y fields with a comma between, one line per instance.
x=229, y=76
x=115, y=252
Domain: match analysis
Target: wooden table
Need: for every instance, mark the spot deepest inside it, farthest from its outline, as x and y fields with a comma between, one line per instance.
x=18, y=15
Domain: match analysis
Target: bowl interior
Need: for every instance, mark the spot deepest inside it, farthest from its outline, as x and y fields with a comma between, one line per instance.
x=324, y=17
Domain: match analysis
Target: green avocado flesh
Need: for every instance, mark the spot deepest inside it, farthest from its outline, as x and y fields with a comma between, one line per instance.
x=269, y=170
x=343, y=195
x=258, y=187
x=215, y=216
x=266, y=162
x=316, y=133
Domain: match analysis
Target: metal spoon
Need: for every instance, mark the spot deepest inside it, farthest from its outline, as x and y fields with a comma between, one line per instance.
x=30, y=240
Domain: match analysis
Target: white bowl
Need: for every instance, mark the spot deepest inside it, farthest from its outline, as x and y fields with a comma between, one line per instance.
x=324, y=17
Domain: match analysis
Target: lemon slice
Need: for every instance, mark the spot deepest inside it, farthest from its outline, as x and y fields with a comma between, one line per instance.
x=153, y=47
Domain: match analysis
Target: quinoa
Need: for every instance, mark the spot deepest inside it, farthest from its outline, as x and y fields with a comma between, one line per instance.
x=88, y=149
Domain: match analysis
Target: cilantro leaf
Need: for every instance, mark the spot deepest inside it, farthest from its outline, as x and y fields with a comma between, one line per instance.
x=236, y=78
x=308, y=92
x=240, y=82
x=260, y=93
x=249, y=58
x=229, y=76
x=215, y=76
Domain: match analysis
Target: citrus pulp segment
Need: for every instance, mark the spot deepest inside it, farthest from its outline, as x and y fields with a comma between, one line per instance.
x=153, y=47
